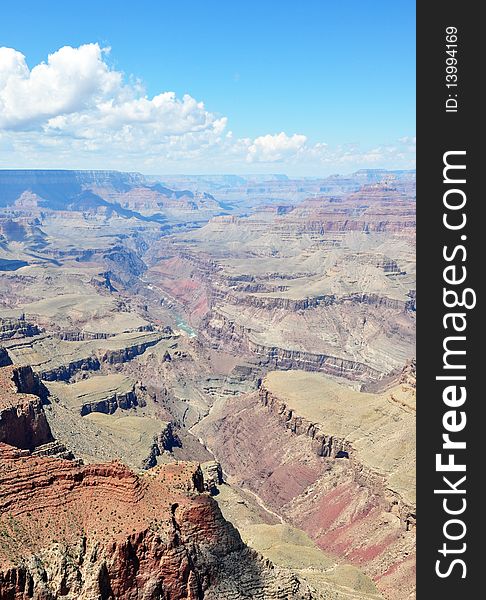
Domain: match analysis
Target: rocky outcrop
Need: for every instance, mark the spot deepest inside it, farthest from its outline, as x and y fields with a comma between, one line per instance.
x=22, y=420
x=223, y=333
x=81, y=336
x=412, y=301
x=168, y=439
x=250, y=285
x=334, y=446
x=101, y=531
x=28, y=382
x=118, y=535
x=121, y=355
x=375, y=300
x=325, y=444
x=124, y=265
x=70, y=335
x=64, y=372
x=281, y=358
x=55, y=449
x=122, y=400
x=271, y=303
x=4, y=357
x=10, y=328
x=55, y=360
x=344, y=338
x=165, y=441
x=298, y=304
x=212, y=475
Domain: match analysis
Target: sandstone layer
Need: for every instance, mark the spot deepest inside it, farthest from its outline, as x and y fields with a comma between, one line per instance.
x=119, y=535
x=324, y=286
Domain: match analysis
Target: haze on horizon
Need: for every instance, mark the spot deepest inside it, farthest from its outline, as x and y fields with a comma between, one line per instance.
x=227, y=91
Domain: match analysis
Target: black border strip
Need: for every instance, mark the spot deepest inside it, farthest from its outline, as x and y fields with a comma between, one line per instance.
x=438, y=132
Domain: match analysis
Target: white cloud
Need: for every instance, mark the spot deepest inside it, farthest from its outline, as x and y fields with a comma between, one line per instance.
x=72, y=80
x=273, y=148
x=408, y=139
x=75, y=111
x=76, y=94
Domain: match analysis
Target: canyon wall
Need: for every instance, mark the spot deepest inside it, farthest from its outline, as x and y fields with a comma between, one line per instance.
x=99, y=530
x=347, y=481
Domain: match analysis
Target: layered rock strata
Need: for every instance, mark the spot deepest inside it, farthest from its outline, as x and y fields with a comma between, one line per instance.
x=22, y=420
x=118, y=535
x=101, y=531
x=58, y=360
x=335, y=462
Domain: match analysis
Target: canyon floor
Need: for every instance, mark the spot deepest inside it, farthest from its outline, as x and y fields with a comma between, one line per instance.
x=207, y=394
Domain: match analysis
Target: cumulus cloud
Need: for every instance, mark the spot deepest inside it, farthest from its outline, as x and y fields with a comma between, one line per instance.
x=274, y=148
x=76, y=94
x=72, y=80
x=76, y=111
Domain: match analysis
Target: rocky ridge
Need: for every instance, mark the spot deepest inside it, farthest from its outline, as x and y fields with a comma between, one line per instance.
x=333, y=461
x=117, y=534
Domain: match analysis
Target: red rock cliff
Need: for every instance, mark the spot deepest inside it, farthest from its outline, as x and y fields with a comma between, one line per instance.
x=101, y=531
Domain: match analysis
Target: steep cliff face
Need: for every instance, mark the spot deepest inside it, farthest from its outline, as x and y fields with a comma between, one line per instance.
x=58, y=360
x=4, y=358
x=118, y=535
x=335, y=462
x=294, y=359
x=277, y=340
x=331, y=441
x=123, y=400
x=10, y=328
x=100, y=531
x=22, y=420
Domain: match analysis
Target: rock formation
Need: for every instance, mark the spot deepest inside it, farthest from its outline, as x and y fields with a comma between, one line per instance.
x=23, y=423
x=166, y=327
x=84, y=531
x=338, y=463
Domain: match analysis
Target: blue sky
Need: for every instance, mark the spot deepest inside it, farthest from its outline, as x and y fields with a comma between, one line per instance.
x=339, y=74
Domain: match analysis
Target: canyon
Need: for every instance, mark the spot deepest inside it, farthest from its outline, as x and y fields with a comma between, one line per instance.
x=210, y=381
